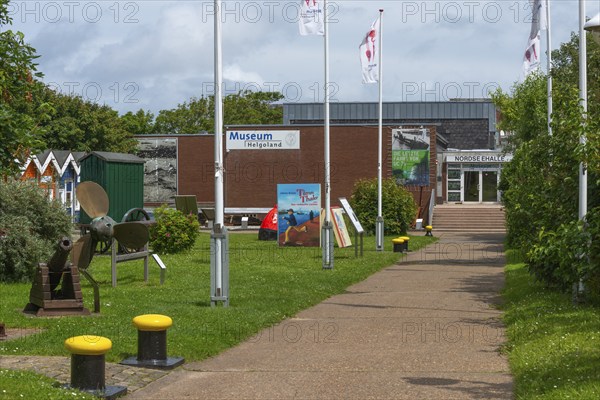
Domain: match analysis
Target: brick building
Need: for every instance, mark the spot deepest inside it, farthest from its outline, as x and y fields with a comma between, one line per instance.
x=447, y=148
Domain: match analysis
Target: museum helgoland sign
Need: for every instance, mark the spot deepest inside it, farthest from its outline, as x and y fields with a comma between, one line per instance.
x=263, y=140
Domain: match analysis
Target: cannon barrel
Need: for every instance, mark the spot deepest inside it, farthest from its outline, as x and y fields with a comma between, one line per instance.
x=58, y=261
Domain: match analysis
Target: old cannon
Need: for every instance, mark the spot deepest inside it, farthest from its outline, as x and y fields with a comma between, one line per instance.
x=46, y=298
x=56, y=289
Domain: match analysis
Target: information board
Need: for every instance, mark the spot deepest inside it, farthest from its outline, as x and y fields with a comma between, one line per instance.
x=351, y=214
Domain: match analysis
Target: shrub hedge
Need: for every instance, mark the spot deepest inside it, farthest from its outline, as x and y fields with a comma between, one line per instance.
x=398, y=205
x=30, y=226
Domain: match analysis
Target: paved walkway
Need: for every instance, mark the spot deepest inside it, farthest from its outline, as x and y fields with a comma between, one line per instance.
x=425, y=328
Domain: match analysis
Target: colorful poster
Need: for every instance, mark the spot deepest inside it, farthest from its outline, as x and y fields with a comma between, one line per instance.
x=410, y=156
x=299, y=208
x=340, y=230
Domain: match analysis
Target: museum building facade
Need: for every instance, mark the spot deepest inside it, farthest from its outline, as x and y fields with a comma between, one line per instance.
x=441, y=151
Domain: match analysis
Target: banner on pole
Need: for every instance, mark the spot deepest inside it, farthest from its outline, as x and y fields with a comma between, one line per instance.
x=532, y=56
x=369, y=53
x=312, y=21
x=410, y=156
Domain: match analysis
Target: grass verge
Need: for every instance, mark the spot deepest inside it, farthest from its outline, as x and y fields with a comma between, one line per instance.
x=267, y=285
x=28, y=385
x=553, y=346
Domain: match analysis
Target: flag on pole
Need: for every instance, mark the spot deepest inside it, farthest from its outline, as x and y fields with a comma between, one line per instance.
x=369, y=53
x=311, y=20
x=538, y=16
x=531, y=58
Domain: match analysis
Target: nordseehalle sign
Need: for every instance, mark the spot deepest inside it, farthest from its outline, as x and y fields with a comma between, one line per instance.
x=263, y=140
x=479, y=157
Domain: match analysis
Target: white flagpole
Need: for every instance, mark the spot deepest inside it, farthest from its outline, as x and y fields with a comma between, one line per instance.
x=327, y=232
x=549, y=67
x=379, y=222
x=219, y=259
x=583, y=96
x=579, y=288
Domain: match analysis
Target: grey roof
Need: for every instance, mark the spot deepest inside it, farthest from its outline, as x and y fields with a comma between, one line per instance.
x=393, y=112
x=115, y=157
x=43, y=156
x=61, y=156
x=78, y=155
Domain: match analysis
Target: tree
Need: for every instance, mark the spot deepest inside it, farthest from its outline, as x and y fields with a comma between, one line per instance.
x=19, y=131
x=191, y=117
x=252, y=108
x=140, y=123
x=81, y=125
x=243, y=108
x=540, y=184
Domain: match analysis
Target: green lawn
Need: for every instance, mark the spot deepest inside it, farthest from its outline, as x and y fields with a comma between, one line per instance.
x=267, y=285
x=553, y=346
x=28, y=385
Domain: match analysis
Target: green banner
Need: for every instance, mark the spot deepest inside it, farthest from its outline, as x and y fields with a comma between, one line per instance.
x=411, y=167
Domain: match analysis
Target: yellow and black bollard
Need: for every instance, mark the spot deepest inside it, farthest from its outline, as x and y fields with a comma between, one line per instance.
x=152, y=343
x=88, y=365
x=406, y=241
x=398, y=245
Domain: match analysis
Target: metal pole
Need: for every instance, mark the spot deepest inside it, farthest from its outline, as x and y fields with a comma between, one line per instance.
x=582, y=138
x=327, y=240
x=549, y=65
x=379, y=227
x=219, y=288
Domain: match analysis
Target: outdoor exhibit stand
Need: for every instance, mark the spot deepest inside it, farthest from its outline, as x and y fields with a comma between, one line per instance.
x=358, y=229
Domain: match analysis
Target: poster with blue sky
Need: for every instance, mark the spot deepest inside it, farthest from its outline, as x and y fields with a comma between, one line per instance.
x=299, y=208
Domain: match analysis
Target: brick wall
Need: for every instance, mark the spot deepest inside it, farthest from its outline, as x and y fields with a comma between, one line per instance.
x=251, y=176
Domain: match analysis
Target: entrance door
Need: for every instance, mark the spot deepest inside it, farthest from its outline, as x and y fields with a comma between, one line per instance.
x=489, y=186
x=471, y=186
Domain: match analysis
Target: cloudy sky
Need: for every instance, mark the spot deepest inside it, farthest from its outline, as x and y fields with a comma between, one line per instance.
x=156, y=54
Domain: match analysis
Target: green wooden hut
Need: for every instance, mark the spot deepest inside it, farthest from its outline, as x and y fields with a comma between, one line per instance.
x=122, y=177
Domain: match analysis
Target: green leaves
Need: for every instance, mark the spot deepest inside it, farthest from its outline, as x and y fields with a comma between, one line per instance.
x=541, y=184
x=30, y=226
x=173, y=232
x=18, y=130
x=398, y=206
x=243, y=108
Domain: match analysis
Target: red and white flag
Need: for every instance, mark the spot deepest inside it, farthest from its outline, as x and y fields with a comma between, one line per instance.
x=532, y=56
x=531, y=59
x=311, y=20
x=369, y=53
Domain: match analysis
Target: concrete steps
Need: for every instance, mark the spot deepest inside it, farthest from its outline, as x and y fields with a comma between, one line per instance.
x=469, y=218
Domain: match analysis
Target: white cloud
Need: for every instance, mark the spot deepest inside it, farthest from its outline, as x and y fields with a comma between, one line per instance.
x=234, y=72
x=165, y=49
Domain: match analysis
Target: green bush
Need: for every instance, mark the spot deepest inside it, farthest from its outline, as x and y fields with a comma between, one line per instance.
x=173, y=232
x=398, y=206
x=30, y=227
x=563, y=257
